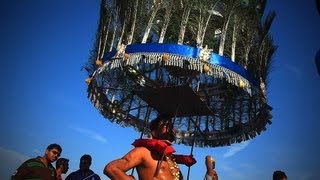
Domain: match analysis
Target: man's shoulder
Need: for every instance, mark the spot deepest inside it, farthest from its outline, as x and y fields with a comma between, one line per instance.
x=73, y=174
x=50, y=166
x=137, y=154
x=33, y=159
x=33, y=162
x=96, y=176
x=140, y=150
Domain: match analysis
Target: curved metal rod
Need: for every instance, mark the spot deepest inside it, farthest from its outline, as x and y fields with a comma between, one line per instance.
x=191, y=151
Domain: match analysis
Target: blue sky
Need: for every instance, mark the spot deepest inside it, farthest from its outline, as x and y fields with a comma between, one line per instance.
x=43, y=45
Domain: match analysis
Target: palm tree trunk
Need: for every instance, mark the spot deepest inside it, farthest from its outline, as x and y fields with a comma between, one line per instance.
x=130, y=36
x=122, y=33
x=234, y=39
x=115, y=25
x=225, y=28
x=149, y=26
x=106, y=28
x=205, y=28
x=248, y=45
x=200, y=28
x=223, y=36
x=166, y=22
x=101, y=30
x=99, y=46
x=184, y=23
x=246, y=55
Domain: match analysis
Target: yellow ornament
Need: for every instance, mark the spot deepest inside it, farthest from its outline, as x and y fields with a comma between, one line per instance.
x=99, y=63
x=126, y=56
x=165, y=57
x=241, y=84
x=88, y=80
x=206, y=68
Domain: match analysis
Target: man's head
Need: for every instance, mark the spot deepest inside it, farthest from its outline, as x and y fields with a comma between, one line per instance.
x=63, y=163
x=53, y=152
x=85, y=162
x=279, y=175
x=161, y=128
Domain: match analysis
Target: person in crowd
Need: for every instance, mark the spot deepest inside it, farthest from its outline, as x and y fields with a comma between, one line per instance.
x=62, y=167
x=279, y=175
x=153, y=158
x=84, y=172
x=211, y=174
x=39, y=167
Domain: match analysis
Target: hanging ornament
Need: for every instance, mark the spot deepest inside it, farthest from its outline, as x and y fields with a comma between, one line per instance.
x=241, y=84
x=165, y=57
x=206, y=68
x=126, y=56
x=99, y=63
x=88, y=80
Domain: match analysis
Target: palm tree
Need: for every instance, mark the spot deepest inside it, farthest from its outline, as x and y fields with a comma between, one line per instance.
x=168, y=7
x=187, y=6
x=97, y=51
x=266, y=47
x=134, y=20
x=228, y=8
x=155, y=7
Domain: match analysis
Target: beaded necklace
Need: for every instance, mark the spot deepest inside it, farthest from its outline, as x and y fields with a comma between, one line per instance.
x=173, y=166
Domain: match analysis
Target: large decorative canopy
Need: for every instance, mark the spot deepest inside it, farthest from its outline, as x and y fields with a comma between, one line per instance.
x=203, y=62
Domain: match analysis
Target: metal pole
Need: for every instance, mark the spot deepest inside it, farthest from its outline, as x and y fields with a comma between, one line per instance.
x=194, y=140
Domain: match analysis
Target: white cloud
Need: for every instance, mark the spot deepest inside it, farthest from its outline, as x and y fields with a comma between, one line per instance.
x=235, y=148
x=12, y=160
x=234, y=174
x=90, y=134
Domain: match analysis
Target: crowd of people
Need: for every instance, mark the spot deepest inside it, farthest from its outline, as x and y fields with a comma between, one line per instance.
x=42, y=168
x=152, y=158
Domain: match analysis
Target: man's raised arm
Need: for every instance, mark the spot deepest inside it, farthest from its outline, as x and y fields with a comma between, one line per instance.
x=117, y=169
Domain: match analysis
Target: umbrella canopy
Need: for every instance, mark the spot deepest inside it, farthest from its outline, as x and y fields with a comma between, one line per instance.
x=150, y=60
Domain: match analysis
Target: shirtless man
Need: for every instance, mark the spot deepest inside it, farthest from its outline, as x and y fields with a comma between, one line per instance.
x=149, y=163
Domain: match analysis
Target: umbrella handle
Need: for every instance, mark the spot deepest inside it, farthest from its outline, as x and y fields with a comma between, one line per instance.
x=190, y=154
x=159, y=166
x=191, y=151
